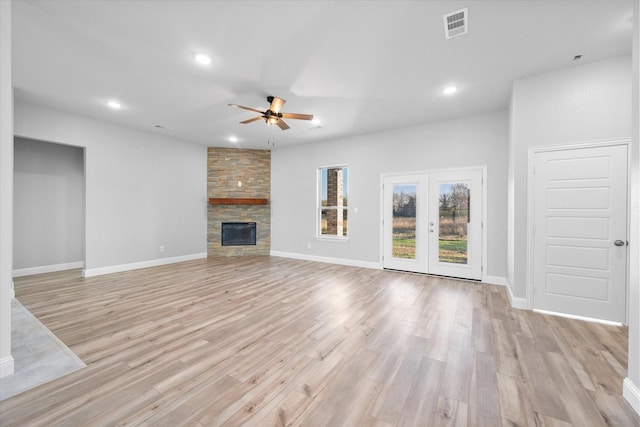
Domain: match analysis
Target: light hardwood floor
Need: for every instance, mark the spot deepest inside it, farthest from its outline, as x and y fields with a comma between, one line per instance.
x=270, y=341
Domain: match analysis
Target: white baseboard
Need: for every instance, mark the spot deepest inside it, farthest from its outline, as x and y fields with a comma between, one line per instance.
x=631, y=393
x=516, y=302
x=576, y=317
x=520, y=303
x=6, y=366
x=47, y=269
x=143, y=264
x=329, y=260
x=495, y=280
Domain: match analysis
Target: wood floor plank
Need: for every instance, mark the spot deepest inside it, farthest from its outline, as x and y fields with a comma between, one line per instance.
x=272, y=341
x=392, y=399
x=484, y=397
x=451, y=413
x=421, y=404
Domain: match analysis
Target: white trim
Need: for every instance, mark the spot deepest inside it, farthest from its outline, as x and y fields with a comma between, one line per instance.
x=631, y=393
x=484, y=225
x=494, y=280
x=7, y=366
x=516, y=302
x=575, y=317
x=531, y=153
x=329, y=260
x=590, y=144
x=331, y=238
x=143, y=264
x=47, y=268
x=528, y=280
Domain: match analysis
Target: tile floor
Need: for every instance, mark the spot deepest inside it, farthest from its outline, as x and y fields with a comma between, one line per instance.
x=39, y=356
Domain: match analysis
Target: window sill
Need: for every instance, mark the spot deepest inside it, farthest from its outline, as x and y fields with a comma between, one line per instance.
x=336, y=239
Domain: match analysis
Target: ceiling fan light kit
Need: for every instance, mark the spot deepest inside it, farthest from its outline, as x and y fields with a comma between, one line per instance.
x=273, y=116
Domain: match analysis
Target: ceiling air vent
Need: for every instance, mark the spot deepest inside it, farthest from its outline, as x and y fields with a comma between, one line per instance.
x=456, y=23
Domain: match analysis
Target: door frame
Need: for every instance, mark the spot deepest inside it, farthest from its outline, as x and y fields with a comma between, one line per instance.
x=531, y=156
x=483, y=169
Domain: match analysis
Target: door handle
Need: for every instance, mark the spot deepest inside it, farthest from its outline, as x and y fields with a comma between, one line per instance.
x=618, y=243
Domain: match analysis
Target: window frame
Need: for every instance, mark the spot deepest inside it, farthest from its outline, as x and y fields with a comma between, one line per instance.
x=320, y=208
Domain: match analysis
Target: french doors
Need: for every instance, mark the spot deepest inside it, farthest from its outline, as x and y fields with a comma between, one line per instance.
x=432, y=223
x=579, y=232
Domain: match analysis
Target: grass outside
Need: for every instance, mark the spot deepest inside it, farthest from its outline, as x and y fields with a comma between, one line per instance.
x=452, y=248
x=404, y=238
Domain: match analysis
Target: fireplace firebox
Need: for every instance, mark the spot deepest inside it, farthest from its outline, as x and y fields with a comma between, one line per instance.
x=238, y=233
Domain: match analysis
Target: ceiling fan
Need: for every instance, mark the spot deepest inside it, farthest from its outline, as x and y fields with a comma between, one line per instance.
x=273, y=116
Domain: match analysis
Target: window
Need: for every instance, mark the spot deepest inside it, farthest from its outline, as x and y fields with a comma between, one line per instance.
x=332, y=203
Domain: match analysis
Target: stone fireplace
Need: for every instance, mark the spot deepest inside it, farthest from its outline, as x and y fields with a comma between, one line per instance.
x=239, y=189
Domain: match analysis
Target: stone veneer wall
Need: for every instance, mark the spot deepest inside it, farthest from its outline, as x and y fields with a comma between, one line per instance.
x=226, y=167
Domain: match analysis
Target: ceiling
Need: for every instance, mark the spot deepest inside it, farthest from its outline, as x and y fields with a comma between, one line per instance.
x=358, y=66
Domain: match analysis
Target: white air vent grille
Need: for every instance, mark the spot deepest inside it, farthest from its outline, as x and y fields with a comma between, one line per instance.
x=456, y=23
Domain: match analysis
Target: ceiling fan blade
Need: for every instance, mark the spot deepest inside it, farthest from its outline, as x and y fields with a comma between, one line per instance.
x=297, y=116
x=276, y=104
x=251, y=120
x=282, y=125
x=246, y=108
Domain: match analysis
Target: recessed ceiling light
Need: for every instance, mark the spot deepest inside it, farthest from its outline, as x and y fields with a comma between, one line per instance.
x=202, y=59
x=449, y=90
x=233, y=139
x=315, y=121
x=113, y=104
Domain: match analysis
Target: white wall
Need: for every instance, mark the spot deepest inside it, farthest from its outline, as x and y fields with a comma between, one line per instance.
x=471, y=141
x=631, y=389
x=48, y=206
x=143, y=191
x=581, y=104
x=6, y=189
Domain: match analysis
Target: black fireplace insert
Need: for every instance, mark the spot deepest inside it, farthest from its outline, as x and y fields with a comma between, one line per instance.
x=238, y=233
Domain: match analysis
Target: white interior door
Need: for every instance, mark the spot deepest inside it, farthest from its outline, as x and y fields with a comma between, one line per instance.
x=579, y=234
x=433, y=223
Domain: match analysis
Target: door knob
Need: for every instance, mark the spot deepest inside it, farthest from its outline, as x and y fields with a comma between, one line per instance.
x=618, y=243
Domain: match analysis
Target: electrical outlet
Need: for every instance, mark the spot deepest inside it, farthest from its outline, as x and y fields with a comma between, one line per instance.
x=308, y=245
x=161, y=248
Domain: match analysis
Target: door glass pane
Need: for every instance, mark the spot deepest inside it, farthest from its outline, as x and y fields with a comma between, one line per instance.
x=404, y=221
x=454, y=220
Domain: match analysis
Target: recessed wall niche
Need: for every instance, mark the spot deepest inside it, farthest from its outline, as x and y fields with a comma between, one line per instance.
x=235, y=174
